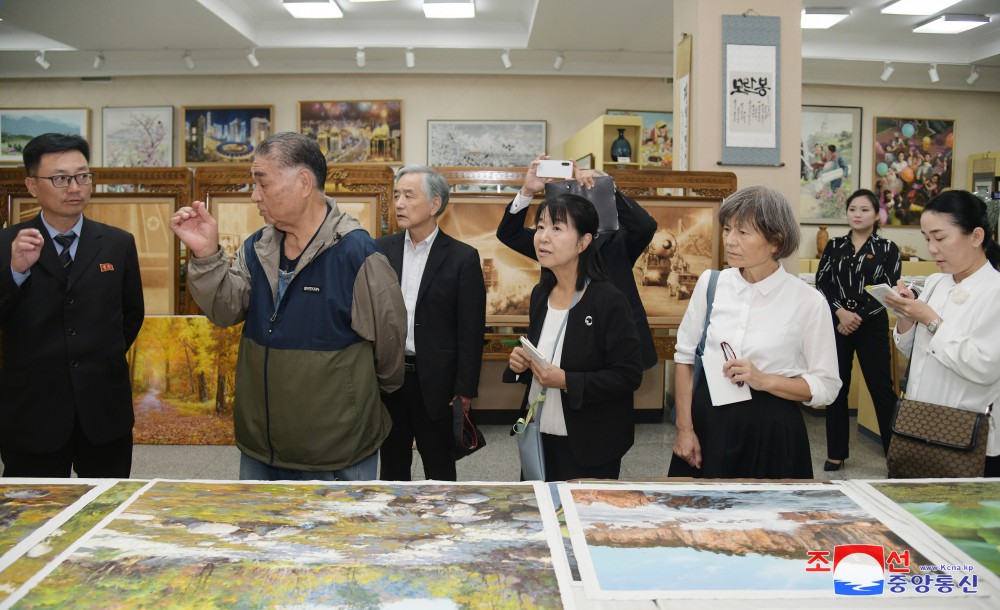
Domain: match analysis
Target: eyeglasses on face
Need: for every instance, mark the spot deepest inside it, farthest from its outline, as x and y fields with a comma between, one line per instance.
x=62, y=180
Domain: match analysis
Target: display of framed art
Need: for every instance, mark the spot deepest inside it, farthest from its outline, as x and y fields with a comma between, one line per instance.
x=911, y=162
x=826, y=176
x=369, y=131
x=484, y=143
x=656, y=139
x=19, y=125
x=138, y=136
x=225, y=134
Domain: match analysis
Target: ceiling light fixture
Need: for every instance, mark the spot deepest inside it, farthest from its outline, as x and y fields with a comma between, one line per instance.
x=313, y=9
x=918, y=7
x=360, y=57
x=252, y=58
x=887, y=71
x=933, y=73
x=449, y=9
x=823, y=18
x=41, y=61
x=505, y=58
x=411, y=59
x=188, y=60
x=99, y=61
x=560, y=60
x=951, y=24
x=973, y=76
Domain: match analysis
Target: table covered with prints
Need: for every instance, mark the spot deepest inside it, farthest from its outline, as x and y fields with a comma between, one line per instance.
x=86, y=543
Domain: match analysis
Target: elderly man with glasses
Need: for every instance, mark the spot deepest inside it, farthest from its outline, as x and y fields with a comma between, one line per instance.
x=70, y=307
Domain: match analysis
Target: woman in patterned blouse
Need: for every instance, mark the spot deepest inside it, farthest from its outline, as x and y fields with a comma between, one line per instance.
x=850, y=263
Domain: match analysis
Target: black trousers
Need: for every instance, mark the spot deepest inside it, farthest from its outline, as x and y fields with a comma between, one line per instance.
x=111, y=460
x=410, y=421
x=871, y=343
x=560, y=465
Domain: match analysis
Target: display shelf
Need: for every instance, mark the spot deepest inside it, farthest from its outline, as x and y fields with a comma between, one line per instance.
x=596, y=138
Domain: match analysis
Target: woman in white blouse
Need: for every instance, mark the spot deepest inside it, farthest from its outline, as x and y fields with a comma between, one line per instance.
x=769, y=347
x=951, y=333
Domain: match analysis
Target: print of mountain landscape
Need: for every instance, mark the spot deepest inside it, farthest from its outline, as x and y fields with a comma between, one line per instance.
x=32, y=126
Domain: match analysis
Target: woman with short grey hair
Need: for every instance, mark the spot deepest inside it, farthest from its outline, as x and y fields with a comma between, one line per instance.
x=754, y=343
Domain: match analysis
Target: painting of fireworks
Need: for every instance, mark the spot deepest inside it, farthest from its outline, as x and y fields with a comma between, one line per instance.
x=729, y=541
x=341, y=545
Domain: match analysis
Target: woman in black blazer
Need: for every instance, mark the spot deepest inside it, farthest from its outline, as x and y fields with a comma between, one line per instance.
x=583, y=326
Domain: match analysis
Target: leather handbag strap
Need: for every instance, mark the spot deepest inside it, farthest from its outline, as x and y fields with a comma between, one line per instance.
x=700, y=350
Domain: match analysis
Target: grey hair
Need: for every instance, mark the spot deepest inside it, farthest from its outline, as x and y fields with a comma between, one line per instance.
x=766, y=210
x=434, y=183
x=295, y=150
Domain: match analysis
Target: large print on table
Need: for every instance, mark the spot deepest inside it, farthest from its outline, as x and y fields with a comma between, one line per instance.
x=263, y=545
x=663, y=541
x=225, y=134
x=484, y=143
x=183, y=379
x=827, y=177
x=912, y=163
x=355, y=132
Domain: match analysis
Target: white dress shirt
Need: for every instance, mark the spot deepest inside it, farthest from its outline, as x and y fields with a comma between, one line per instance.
x=414, y=261
x=550, y=342
x=520, y=202
x=20, y=278
x=780, y=324
x=959, y=365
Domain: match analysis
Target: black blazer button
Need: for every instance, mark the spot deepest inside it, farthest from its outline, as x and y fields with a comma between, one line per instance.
x=74, y=363
x=69, y=300
x=70, y=332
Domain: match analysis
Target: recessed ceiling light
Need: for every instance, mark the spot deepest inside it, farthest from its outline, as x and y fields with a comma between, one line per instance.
x=313, y=9
x=951, y=24
x=823, y=18
x=449, y=9
x=918, y=7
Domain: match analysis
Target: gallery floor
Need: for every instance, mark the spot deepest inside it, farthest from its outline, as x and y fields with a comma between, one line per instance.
x=497, y=461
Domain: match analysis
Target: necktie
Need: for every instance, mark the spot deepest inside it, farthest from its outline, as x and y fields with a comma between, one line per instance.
x=65, y=240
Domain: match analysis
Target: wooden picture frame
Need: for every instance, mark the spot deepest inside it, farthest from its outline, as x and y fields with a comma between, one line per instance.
x=910, y=189
x=824, y=184
x=137, y=136
x=656, y=139
x=586, y=161
x=499, y=144
x=365, y=131
x=224, y=134
x=19, y=125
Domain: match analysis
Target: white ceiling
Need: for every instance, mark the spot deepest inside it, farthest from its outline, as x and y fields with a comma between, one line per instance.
x=597, y=37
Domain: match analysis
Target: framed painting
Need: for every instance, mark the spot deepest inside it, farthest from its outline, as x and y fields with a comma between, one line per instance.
x=138, y=136
x=19, y=125
x=829, y=159
x=225, y=134
x=484, y=143
x=911, y=162
x=369, y=131
x=657, y=141
x=586, y=161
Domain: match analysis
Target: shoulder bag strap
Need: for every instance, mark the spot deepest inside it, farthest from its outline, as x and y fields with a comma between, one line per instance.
x=700, y=350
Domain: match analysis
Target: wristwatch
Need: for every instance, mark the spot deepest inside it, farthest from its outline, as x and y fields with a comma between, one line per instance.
x=933, y=326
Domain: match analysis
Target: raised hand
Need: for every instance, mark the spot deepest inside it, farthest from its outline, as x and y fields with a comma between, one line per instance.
x=25, y=249
x=197, y=229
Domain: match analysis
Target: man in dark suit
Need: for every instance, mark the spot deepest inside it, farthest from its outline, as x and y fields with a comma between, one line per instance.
x=70, y=307
x=445, y=296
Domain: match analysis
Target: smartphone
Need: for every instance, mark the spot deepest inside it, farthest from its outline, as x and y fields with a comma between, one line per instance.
x=554, y=168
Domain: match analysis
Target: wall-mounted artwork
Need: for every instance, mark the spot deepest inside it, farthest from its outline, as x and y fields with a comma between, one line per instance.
x=138, y=136
x=656, y=139
x=829, y=160
x=484, y=143
x=911, y=162
x=19, y=125
x=355, y=131
x=225, y=134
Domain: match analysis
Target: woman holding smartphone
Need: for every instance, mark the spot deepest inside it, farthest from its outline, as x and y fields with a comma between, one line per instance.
x=849, y=263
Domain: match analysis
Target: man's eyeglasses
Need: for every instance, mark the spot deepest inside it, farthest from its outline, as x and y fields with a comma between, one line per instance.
x=62, y=181
x=730, y=354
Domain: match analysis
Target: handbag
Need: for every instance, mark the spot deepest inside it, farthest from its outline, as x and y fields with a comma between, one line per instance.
x=602, y=196
x=468, y=438
x=934, y=441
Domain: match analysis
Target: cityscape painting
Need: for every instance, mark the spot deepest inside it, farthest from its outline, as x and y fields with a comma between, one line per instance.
x=225, y=134
x=355, y=132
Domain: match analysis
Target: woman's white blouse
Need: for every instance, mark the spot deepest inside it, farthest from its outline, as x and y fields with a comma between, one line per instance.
x=781, y=324
x=959, y=365
x=550, y=344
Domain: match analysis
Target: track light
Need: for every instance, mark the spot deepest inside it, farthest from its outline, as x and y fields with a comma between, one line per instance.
x=933, y=73
x=505, y=58
x=973, y=76
x=188, y=60
x=360, y=57
x=99, y=61
x=41, y=61
x=411, y=59
x=887, y=71
x=252, y=58
x=560, y=60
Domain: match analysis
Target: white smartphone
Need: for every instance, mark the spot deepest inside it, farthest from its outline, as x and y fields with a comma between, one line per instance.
x=554, y=168
x=533, y=352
